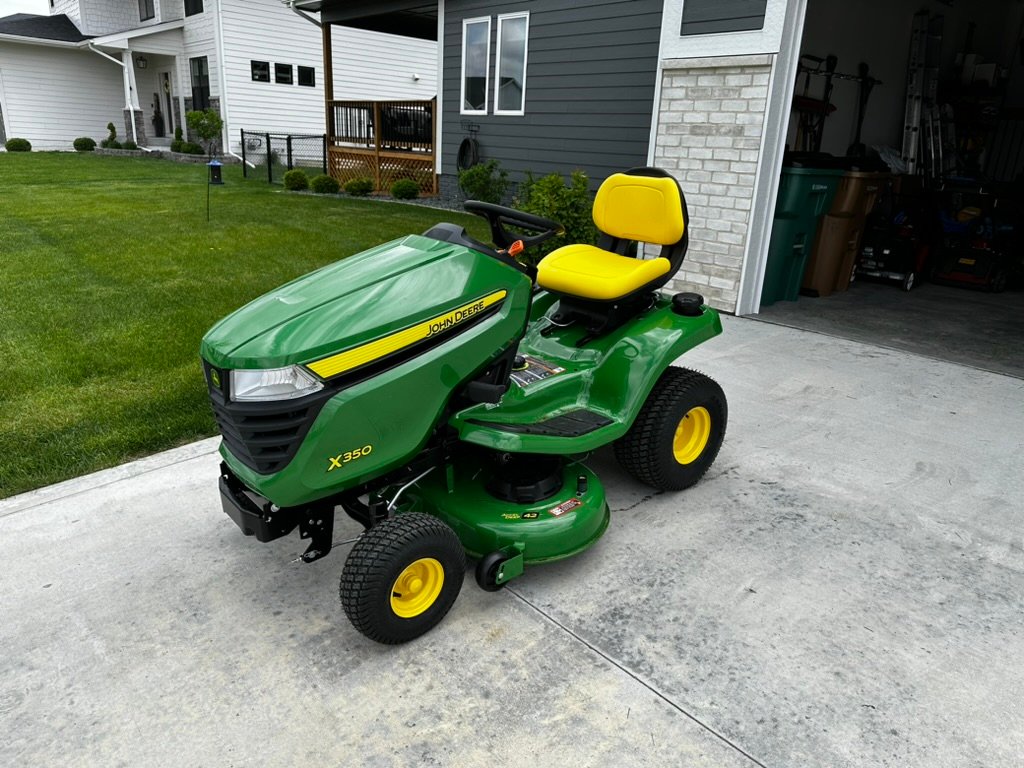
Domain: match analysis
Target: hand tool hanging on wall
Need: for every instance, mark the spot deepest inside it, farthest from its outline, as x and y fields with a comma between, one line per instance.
x=866, y=83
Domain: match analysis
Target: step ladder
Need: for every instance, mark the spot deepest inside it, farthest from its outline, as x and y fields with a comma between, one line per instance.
x=922, y=90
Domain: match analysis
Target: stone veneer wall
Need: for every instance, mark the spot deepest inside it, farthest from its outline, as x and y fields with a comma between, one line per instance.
x=710, y=132
x=141, y=137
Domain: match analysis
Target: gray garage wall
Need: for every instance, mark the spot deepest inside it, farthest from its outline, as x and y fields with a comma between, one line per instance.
x=591, y=73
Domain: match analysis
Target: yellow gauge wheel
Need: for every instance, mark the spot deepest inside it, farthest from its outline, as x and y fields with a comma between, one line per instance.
x=417, y=587
x=692, y=435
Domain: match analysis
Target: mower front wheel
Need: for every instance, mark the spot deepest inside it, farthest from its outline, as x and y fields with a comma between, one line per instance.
x=487, y=569
x=678, y=432
x=402, y=577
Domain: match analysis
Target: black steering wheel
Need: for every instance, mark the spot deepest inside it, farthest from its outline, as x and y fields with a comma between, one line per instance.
x=498, y=216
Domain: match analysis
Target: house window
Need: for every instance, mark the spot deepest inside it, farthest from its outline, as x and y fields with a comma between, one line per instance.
x=146, y=11
x=510, y=66
x=707, y=17
x=192, y=7
x=307, y=76
x=260, y=71
x=200, y=83
x=476, y=51
x=283, y=73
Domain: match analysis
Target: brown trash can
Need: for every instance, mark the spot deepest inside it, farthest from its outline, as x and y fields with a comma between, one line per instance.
x=837, y=244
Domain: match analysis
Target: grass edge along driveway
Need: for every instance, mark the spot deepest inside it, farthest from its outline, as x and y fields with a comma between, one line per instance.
x=111, y=276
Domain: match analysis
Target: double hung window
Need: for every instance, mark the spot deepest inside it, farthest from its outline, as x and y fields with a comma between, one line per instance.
x=200, y=69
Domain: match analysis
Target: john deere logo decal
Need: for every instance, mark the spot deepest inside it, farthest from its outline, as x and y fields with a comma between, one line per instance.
x=215, y=378
x=456, y=317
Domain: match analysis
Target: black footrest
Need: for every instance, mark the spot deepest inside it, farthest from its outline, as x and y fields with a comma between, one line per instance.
x=571, y=424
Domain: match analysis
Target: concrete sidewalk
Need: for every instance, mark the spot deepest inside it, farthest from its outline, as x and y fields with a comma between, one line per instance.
x=845, y=588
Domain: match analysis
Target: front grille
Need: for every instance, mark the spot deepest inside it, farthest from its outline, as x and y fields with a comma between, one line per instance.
x=264, y=436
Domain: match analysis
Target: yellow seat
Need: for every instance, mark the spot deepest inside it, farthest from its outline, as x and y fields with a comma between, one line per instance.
x=644, y=205
x=592, y=273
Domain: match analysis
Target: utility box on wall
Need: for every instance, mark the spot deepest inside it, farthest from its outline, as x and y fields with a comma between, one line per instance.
x=704, y=17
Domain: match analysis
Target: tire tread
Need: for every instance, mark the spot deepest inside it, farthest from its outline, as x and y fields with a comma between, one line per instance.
x=371, y=557
x=636, y=450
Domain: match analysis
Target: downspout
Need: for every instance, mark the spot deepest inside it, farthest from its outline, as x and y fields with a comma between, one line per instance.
x=127, y=88
x=222, y=67
x=300, y=12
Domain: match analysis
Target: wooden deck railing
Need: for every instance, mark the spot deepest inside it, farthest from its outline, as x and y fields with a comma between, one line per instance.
x=384, y=141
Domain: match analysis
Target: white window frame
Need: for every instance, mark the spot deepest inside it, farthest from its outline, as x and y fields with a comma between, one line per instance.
x=497, y=63
x=487, y=68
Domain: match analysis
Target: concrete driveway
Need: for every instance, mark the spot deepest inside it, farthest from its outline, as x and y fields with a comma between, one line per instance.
x=845, y=588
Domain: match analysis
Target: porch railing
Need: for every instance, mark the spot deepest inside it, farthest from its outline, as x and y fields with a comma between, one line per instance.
x=383, y=141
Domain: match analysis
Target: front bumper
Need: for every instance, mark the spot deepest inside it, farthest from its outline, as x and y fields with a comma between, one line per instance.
x=257, y=516
x=254, y=514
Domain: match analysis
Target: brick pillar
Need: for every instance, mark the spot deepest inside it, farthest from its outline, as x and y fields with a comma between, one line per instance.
x=710, y=130
x=140, y=127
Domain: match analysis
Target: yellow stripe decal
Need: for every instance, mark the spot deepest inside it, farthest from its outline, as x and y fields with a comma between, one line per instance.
x=386, y=345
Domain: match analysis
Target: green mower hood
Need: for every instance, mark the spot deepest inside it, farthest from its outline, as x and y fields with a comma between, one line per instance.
x=356, y=300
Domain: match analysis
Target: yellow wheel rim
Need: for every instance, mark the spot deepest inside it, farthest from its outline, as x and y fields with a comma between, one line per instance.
x=417, y=587
x=692, y=435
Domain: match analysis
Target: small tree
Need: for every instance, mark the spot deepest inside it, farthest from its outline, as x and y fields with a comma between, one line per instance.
x=206, y=125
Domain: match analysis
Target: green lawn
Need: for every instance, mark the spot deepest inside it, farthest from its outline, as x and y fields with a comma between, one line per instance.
x=110, y=277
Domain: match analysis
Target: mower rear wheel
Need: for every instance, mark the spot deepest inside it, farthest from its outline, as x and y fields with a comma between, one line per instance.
x=678, y=432
x=401, y=577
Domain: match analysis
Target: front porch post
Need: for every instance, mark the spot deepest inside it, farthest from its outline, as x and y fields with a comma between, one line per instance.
x=328, y=94
x=179, y=83
x=132, y=112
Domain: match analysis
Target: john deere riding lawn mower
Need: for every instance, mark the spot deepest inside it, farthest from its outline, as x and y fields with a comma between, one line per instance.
x=445, y=396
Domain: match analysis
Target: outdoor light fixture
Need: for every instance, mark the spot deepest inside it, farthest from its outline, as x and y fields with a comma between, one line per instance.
x=141, y=62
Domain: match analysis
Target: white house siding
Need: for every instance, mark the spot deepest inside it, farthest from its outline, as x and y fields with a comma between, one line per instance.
x=368, y=65
x=102, y=17
x=200, y=40
x=54, y=95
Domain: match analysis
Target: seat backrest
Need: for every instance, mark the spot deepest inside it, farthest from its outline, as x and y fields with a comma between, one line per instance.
x=644, y=208
x=643, y=205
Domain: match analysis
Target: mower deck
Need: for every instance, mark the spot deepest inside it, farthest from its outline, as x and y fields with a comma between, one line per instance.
x=563, y=523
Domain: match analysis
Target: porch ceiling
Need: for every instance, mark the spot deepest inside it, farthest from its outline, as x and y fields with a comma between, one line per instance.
x=411, y=18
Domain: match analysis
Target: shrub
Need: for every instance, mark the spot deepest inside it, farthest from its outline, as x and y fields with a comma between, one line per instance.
x=484, y=181
x=207, y=125
x=18, y=145
x=296, y=180
x=405, y=189
x=326, y=185
x=359, y=187
x=85, y=144
x=129, y=144
x=178, y=141
x=111, y=141
x=191, y=148
x=571, y=206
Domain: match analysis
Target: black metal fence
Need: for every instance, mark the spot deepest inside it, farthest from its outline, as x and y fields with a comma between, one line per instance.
x=273, y=154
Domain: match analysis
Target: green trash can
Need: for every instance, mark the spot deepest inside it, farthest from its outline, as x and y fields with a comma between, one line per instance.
x=805, y=194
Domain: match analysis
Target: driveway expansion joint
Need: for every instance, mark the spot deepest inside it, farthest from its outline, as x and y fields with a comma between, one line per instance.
x=630, y=673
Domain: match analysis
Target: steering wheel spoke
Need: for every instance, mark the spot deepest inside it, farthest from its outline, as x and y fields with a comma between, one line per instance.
x=499, y=217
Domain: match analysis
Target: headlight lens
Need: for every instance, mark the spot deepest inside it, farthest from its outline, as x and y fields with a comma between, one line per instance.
x=273, y=384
